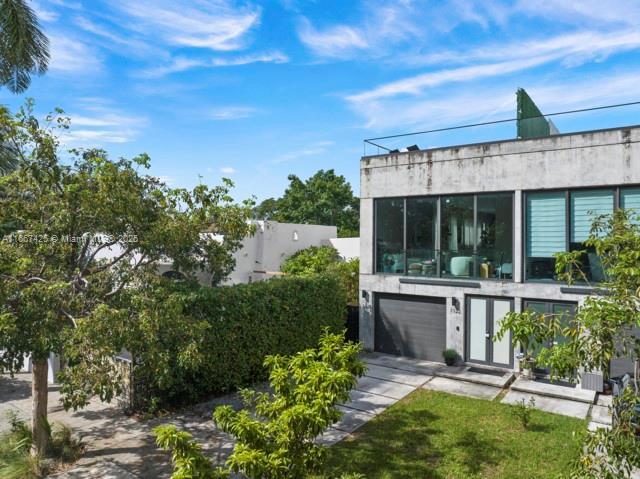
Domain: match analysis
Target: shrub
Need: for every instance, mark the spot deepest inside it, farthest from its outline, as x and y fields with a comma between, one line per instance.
x=450, y=356
x=200, y=341
x=316, y=260
x=16, y=462
x=522, y=411
x=275, y=435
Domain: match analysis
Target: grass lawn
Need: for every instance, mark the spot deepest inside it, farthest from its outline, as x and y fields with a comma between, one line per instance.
x=436, y=435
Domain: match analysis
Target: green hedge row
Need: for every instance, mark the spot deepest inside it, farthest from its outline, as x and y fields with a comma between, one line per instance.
x=216, y=339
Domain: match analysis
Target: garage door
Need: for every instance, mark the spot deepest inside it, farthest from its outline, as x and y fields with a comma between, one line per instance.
x=411, y=326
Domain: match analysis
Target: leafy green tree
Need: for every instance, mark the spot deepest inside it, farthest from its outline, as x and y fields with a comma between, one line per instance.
x=325, y=199
x=604, y=327
x=275, y=435
x=24, y=48
x=89, y=232
x=325, y=260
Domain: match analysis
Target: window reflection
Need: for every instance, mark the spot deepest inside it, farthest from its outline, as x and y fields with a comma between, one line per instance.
x=390, y=235
x=421, y=236
x=457, y=239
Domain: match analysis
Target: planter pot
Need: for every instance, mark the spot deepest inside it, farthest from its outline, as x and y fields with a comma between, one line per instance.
x=526, y=368
x=450, y=362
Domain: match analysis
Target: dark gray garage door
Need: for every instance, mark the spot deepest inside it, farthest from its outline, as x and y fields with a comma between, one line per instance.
x=411, y=326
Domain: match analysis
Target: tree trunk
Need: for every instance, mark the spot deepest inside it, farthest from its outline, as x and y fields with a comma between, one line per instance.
x=39, y=397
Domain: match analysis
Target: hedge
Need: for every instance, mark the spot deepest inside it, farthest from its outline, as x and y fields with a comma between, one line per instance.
x=204, y=341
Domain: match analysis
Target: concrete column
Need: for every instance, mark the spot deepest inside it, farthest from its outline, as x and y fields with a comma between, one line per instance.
x=517, y=237
x=366, y=321
x=366, y=236
x=455, y=324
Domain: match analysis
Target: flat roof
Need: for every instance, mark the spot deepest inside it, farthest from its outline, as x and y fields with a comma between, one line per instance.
x=495, y=142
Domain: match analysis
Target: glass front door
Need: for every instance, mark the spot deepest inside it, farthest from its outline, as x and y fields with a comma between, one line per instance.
x=483, y=321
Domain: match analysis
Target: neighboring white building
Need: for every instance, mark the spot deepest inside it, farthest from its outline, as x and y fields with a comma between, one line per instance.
x=348, y=248
x=262, y=253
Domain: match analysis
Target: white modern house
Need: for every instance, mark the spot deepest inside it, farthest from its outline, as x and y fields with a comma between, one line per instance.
x=453, y=238
x=263, y=252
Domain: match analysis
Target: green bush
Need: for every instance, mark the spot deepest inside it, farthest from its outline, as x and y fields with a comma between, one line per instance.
x=198, y=341
x=325, y=260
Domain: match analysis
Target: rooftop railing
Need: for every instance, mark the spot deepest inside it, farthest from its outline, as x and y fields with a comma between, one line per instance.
x=564, y=122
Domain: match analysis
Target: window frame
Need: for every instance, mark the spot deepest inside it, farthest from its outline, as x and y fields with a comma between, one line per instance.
x=616, y=190
x=438, y=239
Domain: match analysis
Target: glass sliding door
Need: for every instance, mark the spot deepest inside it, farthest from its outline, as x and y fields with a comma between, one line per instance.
x=483, y=322
x=457, y=240
x=546, y=232
x=422, y=224
x=495, y=236
x=477, y=330
x=389, y=231
x=501, y=349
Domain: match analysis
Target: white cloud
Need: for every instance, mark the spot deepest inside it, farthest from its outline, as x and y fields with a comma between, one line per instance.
x=178, y=64
x=215, y=25
x=71, y=56
x=496, y=100
x=271, y=57
x=228, y=170
x=416, y=84
x=43, y=13
x=182, y=63
x=571, y=49
x=97, y=123
x=314, y=149
x=336, y=42
x=230, y=113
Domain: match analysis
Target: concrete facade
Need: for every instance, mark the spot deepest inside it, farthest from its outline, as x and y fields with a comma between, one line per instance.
x=586, y=159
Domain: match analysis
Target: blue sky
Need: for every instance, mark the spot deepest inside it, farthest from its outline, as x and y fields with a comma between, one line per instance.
x=257, y=90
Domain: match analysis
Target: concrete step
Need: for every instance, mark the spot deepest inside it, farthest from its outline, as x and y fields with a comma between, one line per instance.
x=419, y=366
x=553, y=390
x=397, y=375
x=554, y=405
x=462, y=388
x=462, y=373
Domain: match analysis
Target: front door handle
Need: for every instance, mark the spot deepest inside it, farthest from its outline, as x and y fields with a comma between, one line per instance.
x=487, y=335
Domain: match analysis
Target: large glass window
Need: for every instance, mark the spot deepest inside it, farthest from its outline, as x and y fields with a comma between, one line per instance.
x=586, y=206
x=495, y=236
x=561, y=221
x=390, y=235
x=630, y=200
x=546, y=232
x=457, y=236
x=422, y=225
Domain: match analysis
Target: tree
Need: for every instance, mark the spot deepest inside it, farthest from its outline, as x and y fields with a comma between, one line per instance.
x=88, y=233
x=24, y=48
x=325, y=260
x=604, y=327
x=275, y=435
x=325, y=199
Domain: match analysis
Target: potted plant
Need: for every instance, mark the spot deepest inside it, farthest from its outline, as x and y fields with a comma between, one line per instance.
x=450, y=356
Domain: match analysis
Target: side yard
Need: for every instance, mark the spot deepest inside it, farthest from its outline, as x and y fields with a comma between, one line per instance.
x=431, y=434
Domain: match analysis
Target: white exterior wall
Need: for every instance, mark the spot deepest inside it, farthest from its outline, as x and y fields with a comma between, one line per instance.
x=348, y=248
x=262, y=253
x=600, y=158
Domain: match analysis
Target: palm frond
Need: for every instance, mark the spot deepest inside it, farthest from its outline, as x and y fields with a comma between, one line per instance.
x=24, y=48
